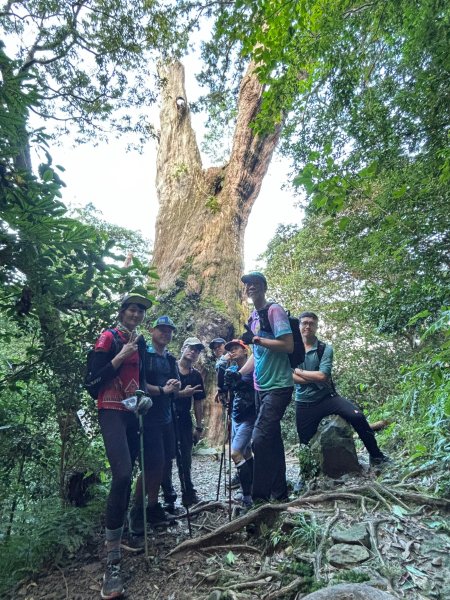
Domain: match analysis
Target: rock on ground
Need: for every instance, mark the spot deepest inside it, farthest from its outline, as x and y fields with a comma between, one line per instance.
x=347, y=555
x=356, y=534
x=349, y=591
x=333, y=447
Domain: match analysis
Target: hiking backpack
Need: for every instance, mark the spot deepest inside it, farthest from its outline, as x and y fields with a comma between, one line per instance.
x=297, y=356
x=91, y=384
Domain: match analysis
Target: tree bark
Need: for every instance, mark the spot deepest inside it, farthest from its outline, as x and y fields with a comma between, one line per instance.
x=203, y=214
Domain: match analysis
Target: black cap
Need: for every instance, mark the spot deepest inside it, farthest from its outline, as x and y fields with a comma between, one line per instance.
x=216, y=342
x=248, y=277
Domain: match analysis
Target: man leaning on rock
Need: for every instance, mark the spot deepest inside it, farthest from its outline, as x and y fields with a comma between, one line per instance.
x=317, y=398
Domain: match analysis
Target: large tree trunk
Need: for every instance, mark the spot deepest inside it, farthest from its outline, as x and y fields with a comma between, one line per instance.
x=203, y=214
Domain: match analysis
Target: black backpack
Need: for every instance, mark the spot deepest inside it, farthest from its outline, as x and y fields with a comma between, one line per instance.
x=298, y=355
x=91, y=384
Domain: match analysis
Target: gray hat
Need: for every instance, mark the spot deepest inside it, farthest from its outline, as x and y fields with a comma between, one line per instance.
x=216, y=342
x=133, y=298
x=193, y=341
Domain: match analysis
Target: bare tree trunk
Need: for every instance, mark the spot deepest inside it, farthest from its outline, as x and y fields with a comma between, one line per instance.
x=203, y=214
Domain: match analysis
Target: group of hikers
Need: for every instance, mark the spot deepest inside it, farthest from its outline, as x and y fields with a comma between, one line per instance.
x=256, y=387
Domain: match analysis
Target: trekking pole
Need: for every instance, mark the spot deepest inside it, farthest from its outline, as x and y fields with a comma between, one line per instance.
x=139, y=394
x=220, y=476
x=230, y=400
x=222, y=456
x=179, y=460
x=225, y=437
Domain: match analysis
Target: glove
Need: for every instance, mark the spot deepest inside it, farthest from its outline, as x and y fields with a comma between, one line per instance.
x=145, y=403
x=232, y=378
x=248, y=335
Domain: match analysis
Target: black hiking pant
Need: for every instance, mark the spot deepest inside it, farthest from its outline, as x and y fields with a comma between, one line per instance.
x=308, y=417
x=269, y=465
x=183, y=431
x=120, y=431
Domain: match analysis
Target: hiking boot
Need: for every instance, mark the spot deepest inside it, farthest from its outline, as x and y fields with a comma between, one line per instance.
x=136, y=520
x=380, y=462
x=235, y=481
x=190, y=499
x=157, y=515
x=169, y=507
x=112, y=582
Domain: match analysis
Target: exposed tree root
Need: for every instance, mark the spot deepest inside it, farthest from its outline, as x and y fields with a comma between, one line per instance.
x=266, y=512
x=287, y=589
x=233, y=547
x=323, y=540
x=211, y=506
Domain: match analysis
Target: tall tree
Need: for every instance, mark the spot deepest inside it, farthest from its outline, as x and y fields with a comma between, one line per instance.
x=203, y=213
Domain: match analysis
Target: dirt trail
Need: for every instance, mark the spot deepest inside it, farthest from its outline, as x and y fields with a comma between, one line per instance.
x=409, y=555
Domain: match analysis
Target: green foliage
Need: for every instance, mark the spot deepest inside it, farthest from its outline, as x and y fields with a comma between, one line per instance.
x=45, y=533
x=422, y=400
x=213, y=204
x=351, y=576
x=308, y=465
x=61, y=278
x=306, y=533
x=94, y=60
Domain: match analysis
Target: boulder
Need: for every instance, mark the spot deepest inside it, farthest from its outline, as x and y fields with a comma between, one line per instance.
x=349, y=591
x=347, y=555
x=333, y=448
x=355, y=534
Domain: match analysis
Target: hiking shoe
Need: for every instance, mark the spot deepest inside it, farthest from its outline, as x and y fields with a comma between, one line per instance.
x=112, y=582
x=380, y=461
x=235, y=481
x=157, y=515
x=190, y=499
x=136, y=521
x=169, y=507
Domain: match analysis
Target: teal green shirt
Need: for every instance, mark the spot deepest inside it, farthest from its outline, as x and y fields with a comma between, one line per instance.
x=313, y=392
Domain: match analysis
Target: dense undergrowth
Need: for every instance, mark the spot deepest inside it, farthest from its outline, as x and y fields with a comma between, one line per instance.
x=47, y=533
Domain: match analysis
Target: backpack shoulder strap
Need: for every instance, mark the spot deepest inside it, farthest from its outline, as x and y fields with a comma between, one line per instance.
x=173, y=365
x=264, y=318
x=320, y=349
